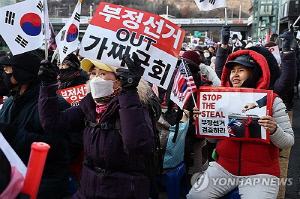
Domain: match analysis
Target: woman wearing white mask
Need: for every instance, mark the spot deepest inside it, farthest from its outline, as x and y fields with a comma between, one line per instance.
x=117, y=128
x=207, y=57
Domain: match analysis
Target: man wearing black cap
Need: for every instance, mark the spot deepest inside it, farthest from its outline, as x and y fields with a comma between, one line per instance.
x=6, y=84
x=19, y=119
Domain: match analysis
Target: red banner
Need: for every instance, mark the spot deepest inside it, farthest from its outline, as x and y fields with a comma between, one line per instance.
x=159, y=30
x=74, y=95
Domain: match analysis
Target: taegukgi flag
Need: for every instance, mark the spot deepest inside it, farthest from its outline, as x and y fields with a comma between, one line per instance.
x=21, y=26
x=116, y=30
x=206, y=5
x=67, y=38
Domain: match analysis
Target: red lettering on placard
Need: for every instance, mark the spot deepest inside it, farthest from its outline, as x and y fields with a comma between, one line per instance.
x=212, y=97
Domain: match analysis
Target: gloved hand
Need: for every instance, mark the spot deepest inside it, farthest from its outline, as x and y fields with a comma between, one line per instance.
x=48, y=73
x=8, y=131
x=131, y=76
x=287, y=37
x=225, y=33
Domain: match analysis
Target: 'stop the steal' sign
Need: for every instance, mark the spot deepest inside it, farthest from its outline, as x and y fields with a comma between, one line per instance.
x=233, y=113
x=116, y=30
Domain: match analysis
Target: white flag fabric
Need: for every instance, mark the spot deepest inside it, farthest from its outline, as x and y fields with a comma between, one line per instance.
x=67, y=38
x=46, y=21
x=21, y=26
x=298, y=34
x=206, y=5
x=11, y=155
x=275, y=51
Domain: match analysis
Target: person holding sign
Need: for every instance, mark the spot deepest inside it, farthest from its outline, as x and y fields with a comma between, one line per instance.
x=248, y=164
x=117, y=128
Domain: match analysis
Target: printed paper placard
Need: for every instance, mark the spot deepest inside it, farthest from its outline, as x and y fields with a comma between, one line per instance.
x=233, y=113
x=116, y=30
x=74, y=95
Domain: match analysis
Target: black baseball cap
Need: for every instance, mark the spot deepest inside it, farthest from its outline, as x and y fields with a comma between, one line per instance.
x=5, y=60
x=245, y=60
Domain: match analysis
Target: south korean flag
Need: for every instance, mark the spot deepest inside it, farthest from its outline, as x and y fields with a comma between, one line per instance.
x=21, y=26
x=206, y=5
x=67, y=38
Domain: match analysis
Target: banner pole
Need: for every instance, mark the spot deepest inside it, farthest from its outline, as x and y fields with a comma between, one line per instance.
x=296, y=21
x=188, y=84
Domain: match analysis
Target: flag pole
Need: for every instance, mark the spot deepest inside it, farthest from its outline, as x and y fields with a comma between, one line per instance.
x=45, y=21
x=296, y=21
x=225, y=15
x=184, y=66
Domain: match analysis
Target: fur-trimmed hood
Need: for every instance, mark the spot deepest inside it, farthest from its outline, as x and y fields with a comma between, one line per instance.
x=263, y=82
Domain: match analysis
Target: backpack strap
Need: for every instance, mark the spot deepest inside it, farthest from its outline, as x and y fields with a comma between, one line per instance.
x=105, y=125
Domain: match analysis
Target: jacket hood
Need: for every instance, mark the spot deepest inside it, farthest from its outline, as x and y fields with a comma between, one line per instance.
x=263, y=82
x=272, y=63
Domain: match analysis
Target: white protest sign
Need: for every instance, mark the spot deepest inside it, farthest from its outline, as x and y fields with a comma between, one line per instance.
x=117, y=30
x=221, y=117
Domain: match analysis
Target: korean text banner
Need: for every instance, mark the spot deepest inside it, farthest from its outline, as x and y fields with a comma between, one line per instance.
x=116, y=30
x=233, y=113
x=74, y=95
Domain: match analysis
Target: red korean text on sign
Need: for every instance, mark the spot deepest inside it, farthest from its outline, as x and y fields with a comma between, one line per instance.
x=114, y=17
x=74, y=95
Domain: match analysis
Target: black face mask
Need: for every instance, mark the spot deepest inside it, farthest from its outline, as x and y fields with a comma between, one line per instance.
x=7, y=82
x=70, y=69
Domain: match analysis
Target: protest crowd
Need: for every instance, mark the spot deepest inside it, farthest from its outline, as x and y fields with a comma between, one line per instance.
x=138, y=112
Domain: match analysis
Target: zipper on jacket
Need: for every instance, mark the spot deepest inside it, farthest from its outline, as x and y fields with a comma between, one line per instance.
x=240, y=158
x=132, y=187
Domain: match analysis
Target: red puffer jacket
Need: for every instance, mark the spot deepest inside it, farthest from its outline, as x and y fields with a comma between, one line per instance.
x=247, y=158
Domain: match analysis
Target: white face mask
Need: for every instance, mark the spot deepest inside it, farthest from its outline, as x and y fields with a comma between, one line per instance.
x=234, y=41
x=206, y=55
x=101, y=88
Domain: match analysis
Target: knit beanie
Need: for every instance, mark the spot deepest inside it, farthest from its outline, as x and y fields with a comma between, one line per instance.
x=26, y=66
x=193, y=56
x=72, y=61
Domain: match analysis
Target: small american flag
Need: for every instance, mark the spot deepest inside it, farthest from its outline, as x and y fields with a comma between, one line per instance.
x=155, y=90
x=183, y=86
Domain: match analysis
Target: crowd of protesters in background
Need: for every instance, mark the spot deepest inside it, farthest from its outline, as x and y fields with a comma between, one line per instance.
x=112, y=125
